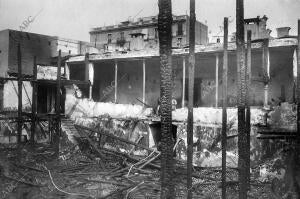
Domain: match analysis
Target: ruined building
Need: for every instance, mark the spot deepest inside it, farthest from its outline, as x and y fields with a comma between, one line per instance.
x=143, y=34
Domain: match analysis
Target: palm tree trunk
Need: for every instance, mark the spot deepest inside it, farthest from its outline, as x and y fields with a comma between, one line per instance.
x=167, y=142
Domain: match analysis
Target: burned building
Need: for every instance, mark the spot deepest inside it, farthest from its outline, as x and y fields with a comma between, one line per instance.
x=143, y=34
x=45, y=48
x=134, y=76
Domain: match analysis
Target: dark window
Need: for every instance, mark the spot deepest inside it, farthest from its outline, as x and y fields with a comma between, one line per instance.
x=179, y=41
x=109, y=38
x=180, y=30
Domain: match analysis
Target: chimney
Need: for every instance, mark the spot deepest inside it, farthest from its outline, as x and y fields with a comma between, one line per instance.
x=283, y=31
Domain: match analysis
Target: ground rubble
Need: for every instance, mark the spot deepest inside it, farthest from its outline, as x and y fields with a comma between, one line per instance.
x=87, y=169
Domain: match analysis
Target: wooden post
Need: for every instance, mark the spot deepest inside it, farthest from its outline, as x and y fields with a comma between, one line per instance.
x=217, y=80
x=241, y=81
x=86, y=67
x=183, y=82
x=144, y=82
x=57, y=105
x=116, y=80
x=266, y=70
x=34, y=101
x=224, y=108
x=248, y=116
x=20, y=122
x=190, y=119
x=298, y=88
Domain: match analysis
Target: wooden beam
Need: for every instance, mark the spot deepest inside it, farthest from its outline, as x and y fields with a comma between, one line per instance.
x=217, y=80
x=57, y=105
x=241, y=97
x=19, y=57
x=106, y=132
x=86, y=67
x=34, y=102
x=190, y=119
x=116, y=81
x=248, y=115
x=183, y=82
x=298, y=87
x=144, y=82
x=224, y=107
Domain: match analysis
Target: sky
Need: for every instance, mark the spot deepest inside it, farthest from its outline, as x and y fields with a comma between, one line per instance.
x=74, y=19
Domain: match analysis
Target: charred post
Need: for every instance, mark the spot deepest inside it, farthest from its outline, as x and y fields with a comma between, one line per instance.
x=183, y=82
x=34, y=101
x=248, y=116
x=190, y=120
x=298, y=89
x=165, y=50
x=241, y=95
x=20, y=122
x=224, y=107
x=57, y=105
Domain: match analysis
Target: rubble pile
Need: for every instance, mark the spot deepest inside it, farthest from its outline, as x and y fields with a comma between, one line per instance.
x=87, y=168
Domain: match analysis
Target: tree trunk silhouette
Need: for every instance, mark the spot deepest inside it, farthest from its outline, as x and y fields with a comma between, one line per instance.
x=167, y=142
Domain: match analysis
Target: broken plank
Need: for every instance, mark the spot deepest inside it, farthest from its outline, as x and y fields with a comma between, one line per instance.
x=92, y=143
x=114, y=137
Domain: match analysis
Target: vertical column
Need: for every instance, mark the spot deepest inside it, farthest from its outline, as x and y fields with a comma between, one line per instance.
x=91, y=79
x=20, y=122
x=295, y=65
x=241, y=81
x=144, y=82
x=183, y=81
x=266, y=70
x=298, y=88
x=87, y=75
x=67, y=71
x=190, y=119
x=116, y=80
x=224, y=107
x=57, y=105
x=248, y=116
x=217, y=80
x=34, y=101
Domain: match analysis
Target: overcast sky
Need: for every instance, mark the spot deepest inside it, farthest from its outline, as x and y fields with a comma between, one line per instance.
x=74, y=18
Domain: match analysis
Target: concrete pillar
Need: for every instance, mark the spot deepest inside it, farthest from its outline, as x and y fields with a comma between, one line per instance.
x=183, y=82
x=295, y=75
x=144, y=82
x=116, y=80
x=266, y=69
x=67, y=71
x=217, y=80
x=91, y=79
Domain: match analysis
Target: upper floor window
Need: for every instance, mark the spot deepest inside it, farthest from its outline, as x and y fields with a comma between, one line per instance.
x=108, y=38
x=179, y=29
